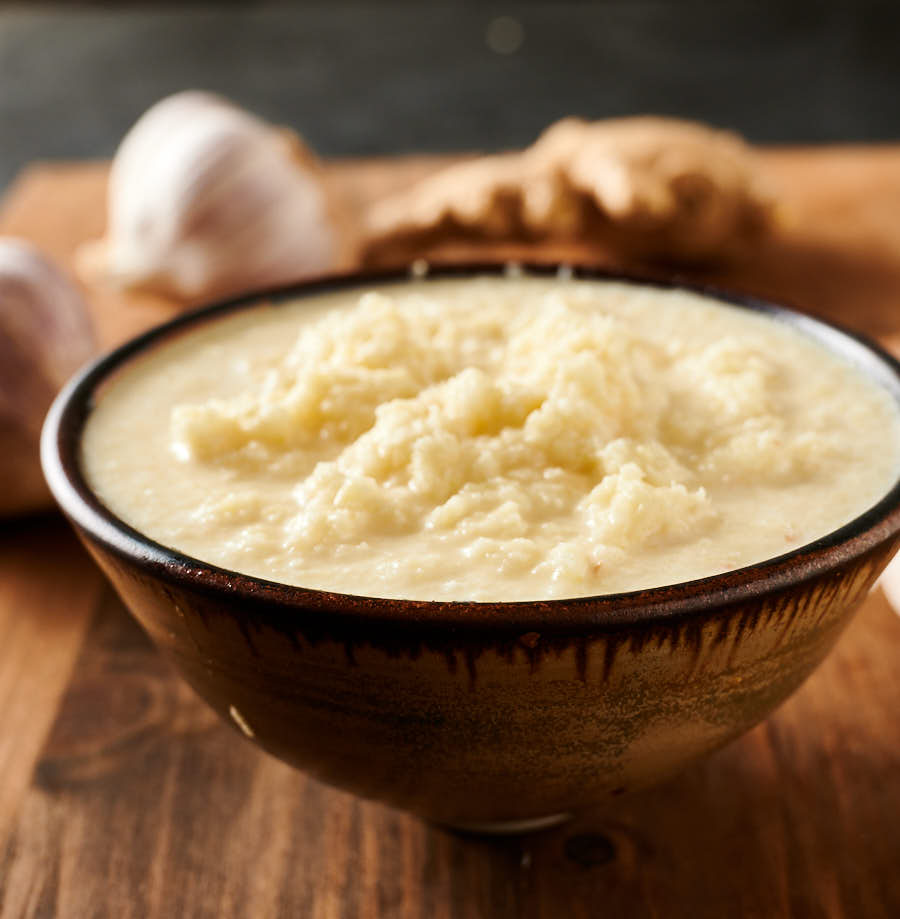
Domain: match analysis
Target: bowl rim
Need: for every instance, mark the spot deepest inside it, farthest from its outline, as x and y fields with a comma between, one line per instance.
x=60, y=447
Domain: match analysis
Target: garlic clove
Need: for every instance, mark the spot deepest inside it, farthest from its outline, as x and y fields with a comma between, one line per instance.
x=45, y=335
x=207, y=200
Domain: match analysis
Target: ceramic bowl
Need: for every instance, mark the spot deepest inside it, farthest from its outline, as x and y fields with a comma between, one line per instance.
x=491, y=716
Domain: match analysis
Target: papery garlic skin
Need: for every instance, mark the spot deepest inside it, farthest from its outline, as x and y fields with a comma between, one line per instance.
x=45, y=335
x=207, y=200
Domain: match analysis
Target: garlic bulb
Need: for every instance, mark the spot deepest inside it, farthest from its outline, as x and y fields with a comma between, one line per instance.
x=45, y=334
x=207, y=200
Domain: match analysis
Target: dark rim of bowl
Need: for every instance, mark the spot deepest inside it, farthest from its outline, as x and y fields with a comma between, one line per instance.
x=60, y=454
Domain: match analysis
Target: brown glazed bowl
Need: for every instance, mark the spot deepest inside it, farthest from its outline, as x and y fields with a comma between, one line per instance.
x=490, y=716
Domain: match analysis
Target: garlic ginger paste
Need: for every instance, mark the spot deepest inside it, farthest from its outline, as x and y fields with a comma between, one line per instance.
x=490, y=438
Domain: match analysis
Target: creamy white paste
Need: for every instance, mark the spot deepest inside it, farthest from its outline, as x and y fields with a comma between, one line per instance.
x=491, y=439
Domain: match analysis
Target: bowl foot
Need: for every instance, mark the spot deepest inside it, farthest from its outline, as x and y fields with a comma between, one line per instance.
x=510, y=827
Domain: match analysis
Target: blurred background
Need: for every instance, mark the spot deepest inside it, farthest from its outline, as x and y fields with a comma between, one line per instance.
x=363, y=78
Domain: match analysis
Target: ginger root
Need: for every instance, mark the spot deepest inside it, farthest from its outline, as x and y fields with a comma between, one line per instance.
x=647, y=187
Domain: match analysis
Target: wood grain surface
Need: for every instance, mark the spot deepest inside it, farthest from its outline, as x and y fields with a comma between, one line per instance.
x=121, y=795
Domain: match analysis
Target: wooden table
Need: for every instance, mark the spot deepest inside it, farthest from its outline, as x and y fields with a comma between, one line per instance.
x=121, y=795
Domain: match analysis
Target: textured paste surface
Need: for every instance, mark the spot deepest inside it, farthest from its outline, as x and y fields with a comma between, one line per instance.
x=491, y=438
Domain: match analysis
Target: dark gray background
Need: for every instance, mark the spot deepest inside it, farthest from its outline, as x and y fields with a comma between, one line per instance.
x=370, y=78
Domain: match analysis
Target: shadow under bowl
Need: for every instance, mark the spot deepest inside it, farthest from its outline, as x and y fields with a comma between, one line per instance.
x=488, y=716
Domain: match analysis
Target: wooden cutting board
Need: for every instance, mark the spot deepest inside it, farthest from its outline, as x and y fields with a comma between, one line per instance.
x=122, y=796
